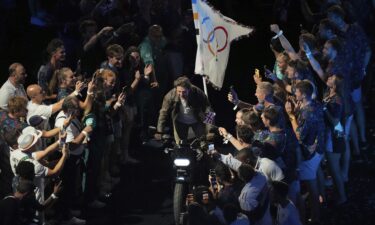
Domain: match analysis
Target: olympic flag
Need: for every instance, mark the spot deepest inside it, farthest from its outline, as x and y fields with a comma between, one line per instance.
x=214, y=33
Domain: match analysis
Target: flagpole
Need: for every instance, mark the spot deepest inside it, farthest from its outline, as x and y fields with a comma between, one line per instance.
x=204, y=85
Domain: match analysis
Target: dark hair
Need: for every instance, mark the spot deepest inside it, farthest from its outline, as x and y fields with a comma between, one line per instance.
x=305, y=87
x=309, y=39
x=114, y=50
x=244, y=110
x=182, y=82
x=246, y=172
x=339, y=82
x=85, y=24
x=223, y=172
x=264, y=150
x=246, y=155
x=68, y=103
x=336, y=10
x=25, y=186
x=273, y=115
x=53, y=45
x=245, y=133
x=253, y=120
x=301, y=68
x=25, y=169
x=10, y=135
x=335, y=43
x=280, y=188
x=130, y=50
x=328, y=25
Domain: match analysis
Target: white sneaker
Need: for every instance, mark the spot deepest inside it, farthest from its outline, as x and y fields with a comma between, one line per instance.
x=74, y=221
x=96, y=204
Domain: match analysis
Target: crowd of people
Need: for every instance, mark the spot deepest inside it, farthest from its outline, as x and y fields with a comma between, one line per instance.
x=309, y=113
x=67, y=134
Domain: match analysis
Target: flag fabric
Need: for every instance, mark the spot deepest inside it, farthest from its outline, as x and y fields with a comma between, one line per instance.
x=214, y=33
x=209, y=118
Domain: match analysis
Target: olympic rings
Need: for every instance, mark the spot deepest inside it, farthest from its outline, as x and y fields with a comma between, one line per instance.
x=212, y=33
x=213, y=36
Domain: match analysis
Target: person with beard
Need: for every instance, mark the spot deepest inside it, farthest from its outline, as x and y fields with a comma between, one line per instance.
x=14, y=85
x=56, y=54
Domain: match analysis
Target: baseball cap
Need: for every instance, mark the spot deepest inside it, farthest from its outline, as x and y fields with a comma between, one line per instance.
x=36, y=120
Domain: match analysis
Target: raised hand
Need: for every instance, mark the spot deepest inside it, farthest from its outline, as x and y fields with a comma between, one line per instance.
x=148, y=69
x=105, y=31
x=275, y=28
x=79, y=86
x=121, y=98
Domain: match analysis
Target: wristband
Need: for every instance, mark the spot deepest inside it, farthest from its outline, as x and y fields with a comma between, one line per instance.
x=53, y=196
x=75, y=93
x=308, y=55
x=228, y=136
x=90, y=93
x=278, y=34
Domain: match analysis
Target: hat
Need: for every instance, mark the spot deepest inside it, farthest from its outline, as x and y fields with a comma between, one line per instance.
x=28, y=138
x=36, y=120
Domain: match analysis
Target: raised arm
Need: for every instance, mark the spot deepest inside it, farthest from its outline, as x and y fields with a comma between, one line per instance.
x=314, y=63
x=284, y=42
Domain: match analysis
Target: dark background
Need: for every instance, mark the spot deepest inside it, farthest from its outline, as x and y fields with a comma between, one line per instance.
x=144, y=194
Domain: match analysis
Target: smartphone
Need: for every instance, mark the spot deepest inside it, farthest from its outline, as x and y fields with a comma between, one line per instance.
x=267, y=72
x=124, y=90
x=257, y=73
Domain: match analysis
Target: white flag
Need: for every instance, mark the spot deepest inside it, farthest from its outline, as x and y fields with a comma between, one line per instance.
x=214, y=34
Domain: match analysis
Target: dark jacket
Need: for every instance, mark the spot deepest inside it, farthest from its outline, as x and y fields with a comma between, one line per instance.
x=197, y=100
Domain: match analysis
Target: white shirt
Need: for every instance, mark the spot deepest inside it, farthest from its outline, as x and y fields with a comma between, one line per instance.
x=16, y=156
x=7, y=91
x=185, y=114
x=249, y=193
x=38, y=109
x=73, y=130
x=270, y=169
x=288, y=215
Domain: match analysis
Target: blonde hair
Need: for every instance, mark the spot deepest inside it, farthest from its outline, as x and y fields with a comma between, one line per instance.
x=104, y=74
x=266, y=87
